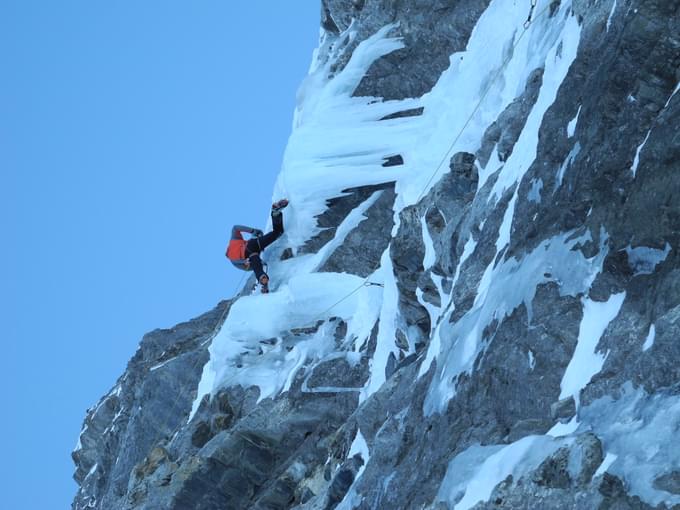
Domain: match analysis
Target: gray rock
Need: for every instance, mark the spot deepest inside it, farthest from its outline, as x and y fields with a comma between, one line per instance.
x=563, y=410
x=504, y=132
x=584, y=458
x=669, y=482
x=432, y=31
x=554, y=471
x=361, y=251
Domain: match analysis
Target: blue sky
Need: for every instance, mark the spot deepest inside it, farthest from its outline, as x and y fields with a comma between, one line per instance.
x=132, y=135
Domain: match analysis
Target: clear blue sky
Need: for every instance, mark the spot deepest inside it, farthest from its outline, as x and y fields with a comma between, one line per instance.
x=132, y=135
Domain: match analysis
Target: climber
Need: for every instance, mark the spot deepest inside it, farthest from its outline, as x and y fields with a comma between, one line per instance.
x=245, y=254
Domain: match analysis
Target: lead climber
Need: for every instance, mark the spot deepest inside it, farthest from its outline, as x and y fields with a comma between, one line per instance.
x=245, y=254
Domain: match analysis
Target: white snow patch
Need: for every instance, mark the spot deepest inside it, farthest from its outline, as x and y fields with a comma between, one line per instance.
x=162, y=364
x=564, y=429
x=609, y=459
x=359, y=446
x=532, y=359
x=92, y=471
x=79, y=444
x=641, y=430
x=563, y=43
x=534, y=194
x=636, y=160
x=611, y=15
x=434, y=345
x=643, y=259
x=649, y=341
x=571, y=127
x=502, y=289
x=387, y=329
x=506, y=225
x=586, y=362
x=677, y=87
x=432, y=310
x=576, y=149
x=468, y=250
x=472, y=475
x=430, y=254
x=433, y=349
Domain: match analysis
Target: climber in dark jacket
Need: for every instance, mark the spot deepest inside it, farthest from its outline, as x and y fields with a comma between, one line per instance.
x=245, y=254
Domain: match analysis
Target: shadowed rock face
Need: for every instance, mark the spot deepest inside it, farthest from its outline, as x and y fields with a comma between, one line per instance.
x=614, y=112
x=432, y=31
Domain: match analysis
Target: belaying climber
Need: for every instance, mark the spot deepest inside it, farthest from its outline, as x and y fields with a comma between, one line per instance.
x=245, y=254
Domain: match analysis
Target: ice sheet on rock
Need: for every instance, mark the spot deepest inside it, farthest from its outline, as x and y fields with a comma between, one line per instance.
x=434, y=346
x=649, y=341
x=643, y=259
x=468, y=250
x=433, y=350
x=472, y=475
x=502, y=289
x=340, y=142
x=611, y=15
x=432, y=310
x=79, y=444
x=561, y=39
x=359, y=446
x=484, y=79
x=430, y=254
x=300, y=303
x=534, y=194
x=571, y=127
x=566, y=164
x=504, y=230
x=675, y=91
x=636, y=160
x=385, y=344
x=586, y=361
x=439, y=283
x=92, y=471
x=559, y=45
x=609, y=459
x=564, y=429
x=640, y=430
x=492, y=166
x=281, y=271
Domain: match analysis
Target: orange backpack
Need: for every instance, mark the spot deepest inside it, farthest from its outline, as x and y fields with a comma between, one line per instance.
x=236, y=249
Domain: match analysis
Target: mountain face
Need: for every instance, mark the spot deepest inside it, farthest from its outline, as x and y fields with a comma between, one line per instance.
x=476, y=303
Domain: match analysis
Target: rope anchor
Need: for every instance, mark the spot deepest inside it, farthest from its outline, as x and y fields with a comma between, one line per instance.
x=374, y=284
x=527, y=23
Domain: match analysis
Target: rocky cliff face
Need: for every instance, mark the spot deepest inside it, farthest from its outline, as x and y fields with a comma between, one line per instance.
x=476, y=303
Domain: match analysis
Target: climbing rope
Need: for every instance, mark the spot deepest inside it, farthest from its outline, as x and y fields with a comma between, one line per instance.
x=527, y=24
x=366, y=283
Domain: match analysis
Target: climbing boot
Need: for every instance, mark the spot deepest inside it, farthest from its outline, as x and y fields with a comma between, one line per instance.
x=277, y=206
